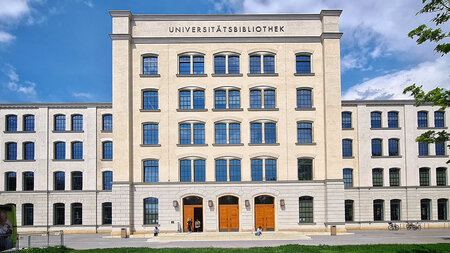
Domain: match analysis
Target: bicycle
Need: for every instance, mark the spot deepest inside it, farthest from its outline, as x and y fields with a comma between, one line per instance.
x=413, y=226
x=393, y=226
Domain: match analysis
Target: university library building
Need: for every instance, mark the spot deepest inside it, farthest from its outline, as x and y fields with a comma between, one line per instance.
x=232, y=120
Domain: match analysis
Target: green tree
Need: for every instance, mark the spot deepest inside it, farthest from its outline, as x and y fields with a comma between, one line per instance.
x=438, y=96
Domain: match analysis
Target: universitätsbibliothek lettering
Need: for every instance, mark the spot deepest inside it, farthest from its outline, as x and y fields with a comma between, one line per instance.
x=225, y=29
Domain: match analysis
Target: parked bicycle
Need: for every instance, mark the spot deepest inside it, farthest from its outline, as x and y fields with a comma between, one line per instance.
x=393, y=226
x=413, y=226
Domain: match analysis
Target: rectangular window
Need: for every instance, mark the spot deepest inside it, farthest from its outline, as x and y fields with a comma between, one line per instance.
x=221, y=170
x=256, y=133
x=11, y=123
x=221, y=133
x=442, y=209
x=28, y=181
x=348, y=178
x=424, y=176
x=107, y=122
x=422, y=119
x=11, y=151
x=107, y=180
x=378, y=210
x=375, y=119
x=58, y=214
x=199, y=99
x=257, y=170
x=107, y=213
x=27, y=210
x=305, y=171
x=219, y=64
x=306, y=213
x=271, y=169
x=199, y=65
x=150, y=100
x=77, y=123
x=348, y=210
x=377, y=177
x=233, y=65
x=107, y=150
x=392, y=119
x=440, y=148
x=393, y=147
x=28, y=123
x=376, y=147
x=185, y=65
x=234, y=99
x=11, y=181
x=425, y=209
x=220, y=97
x=28, y=151
x=395, y=210
x=185, y=100
x=199, y=133
x=151, y=171
x=235, y=133
x=150, y=65
x=439, y=120
x=269, y=99
x=269, y=64
x=346, y=120
x=185, y=133
x=77, y=214
x=441, y=176
x=77, y=150
x=185, y=171
x=347, y=148
x=150, y=134
x=255, y=64
x=270, y=135
x=255, y=99
x=199, y=170
x=77, y=180
x=60, y=151
x=304, y=132
x=304, y=98
x=151, y=214
x=60, y=181
x=60, y=123
x=394, y=177
x=235, y=170
x=303, y=64
x=423, y=149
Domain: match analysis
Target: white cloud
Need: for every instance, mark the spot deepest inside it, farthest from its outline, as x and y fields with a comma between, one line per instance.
x=6, y=37
x=13, y=82
x=13, y=10
x=89, y=3
x=82, y=95
x=430, y=74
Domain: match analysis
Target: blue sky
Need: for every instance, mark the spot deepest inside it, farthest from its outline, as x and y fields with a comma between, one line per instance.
x=59, y=50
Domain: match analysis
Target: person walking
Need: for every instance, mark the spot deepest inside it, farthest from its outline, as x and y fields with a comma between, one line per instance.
x=189, y=225
x=197, y=225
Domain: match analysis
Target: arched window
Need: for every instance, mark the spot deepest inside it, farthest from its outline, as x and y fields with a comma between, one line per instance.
x=107, y=180
x=424, y=176
x=27, y=214
x=11, y=123
x=349, y=213
x=77, y=122
x=107, y=150
x=306, y=209
x=270, y=166
x=189, y=130
x=378, y=210
x=150, y=100
x=375, y=120
x=192, y=99
x=60, y=123
x=395, y=209
x=422, y=119
x=346, y=120
x=192, y=63
x=58, y=214
x=151, y=171
x=77, y=150
x=439, y=119
x=347, y=148
x=441, y=176
x=60, y=181
x=107, y=213
x=377, y=177
x=425, y=209
x=394, y=177
x=304, y=132
x=77, y=181
x=440, y=148
x=151, y=211
x=226, y=63
x=377, y=147
x=305, y=169
x=393, y=147
x=442, y=209
x=392, y=119
x=11, y=181
x=262, y=98
x=303, y=63
x=256, y=130
x=186, y=170
x=11, y=151
x=107, y=122
x=150, y=65
x=150, y=134
x=28, y=181
x=76, y=210
x=28, y=151
x=423, y=148
x=60, y=150
x=304, y=98
x=28, y=123
x=348, y=178
x=262, y=61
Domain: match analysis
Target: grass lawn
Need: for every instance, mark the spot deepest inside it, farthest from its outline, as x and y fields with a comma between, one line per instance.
x=403, y=248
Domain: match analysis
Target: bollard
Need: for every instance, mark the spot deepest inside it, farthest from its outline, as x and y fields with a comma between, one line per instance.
x=62, y=237
x=333, y=230
x=48, y=239
x=29, y=241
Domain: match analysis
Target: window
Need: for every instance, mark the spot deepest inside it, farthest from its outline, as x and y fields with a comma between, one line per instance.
x=28, y=181
x=107, y=213
x=305, y=169
x=151, y=171
x=233, y=64
x=11, y=151
x=11, y=181
x=77, y=150
x=348, y=210
x=346, y=120
x=77, y=122
x=58, y=214
x=234, y=99
x=270, y=169
x=425, y=209
x=222, y=170
x=306, y=214
x=186, y=170
x=196, y=61
x=441, y=176
x=394, y=177
x=107, y=180
x=348, y=178
x=151, y=211
x=220, y=99
x=442, y=209
x=11, y=123
x=235, y=170
x=186, y=134
x=27, y=215
x=439, y=120
x=221, y=133
x=424, y=176
x=150, y=134
x=77, y=180
x=440, y=148
x=234, y=133
x=270, y=133
x=60, y=150
x=199, y=170
x=422, y=119
x=267, y=61
x=304, y=132
x=221, y=66
x=377, y=177
x=262, y=99
x=60, y=123
x=107, y=150
x=107, y=122
x=304, y=98
x=395, y=209
x=375, y=119
x=393, y=147
x=28, y=151
x=377, y=147
x=197, y=96
x=150, y=65
x=392, y=119
x=256, y=136
x=150, y=100
x=347, y=150
x=77, y=214
x=303, y=64
x=423, y=149
x=28, y=123
x=378, y=210
x=257, y=169
x=60, y=181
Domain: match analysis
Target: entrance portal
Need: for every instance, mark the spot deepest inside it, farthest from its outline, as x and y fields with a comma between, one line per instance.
x=193, y=210
x=265, y=213
x=228, y=214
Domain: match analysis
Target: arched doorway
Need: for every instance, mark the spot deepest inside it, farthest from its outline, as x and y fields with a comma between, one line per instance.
x=192, y=209
x=265, y=212
x=228, y=214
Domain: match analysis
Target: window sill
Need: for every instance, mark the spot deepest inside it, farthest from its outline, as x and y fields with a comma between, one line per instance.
x=227, y=75
x=385, y=128
x=18, y=132
x=106, y=160
x=264, y=144
x=68, y=160
x=432, y=156
x=351, y=128
x=150, y=145
x=386, y=156
x=430, y=128
x=105, y=131
x=192, y=75
x=228, y=110
x=263, y=109
x=192, y=145
x=305, y=144
x=69, y=131
x=348, y=157
x=150, y=110
x=305, y=109
x=20, y=160
x=192, y=110
x=307, y=223
x=227, y=144
x=146, y=75
x=261, y=74
x=304, y=74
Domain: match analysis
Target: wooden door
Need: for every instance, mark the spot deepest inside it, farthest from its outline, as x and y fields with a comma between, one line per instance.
x=188, y=212
x=229, y=218
x=265, y=216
